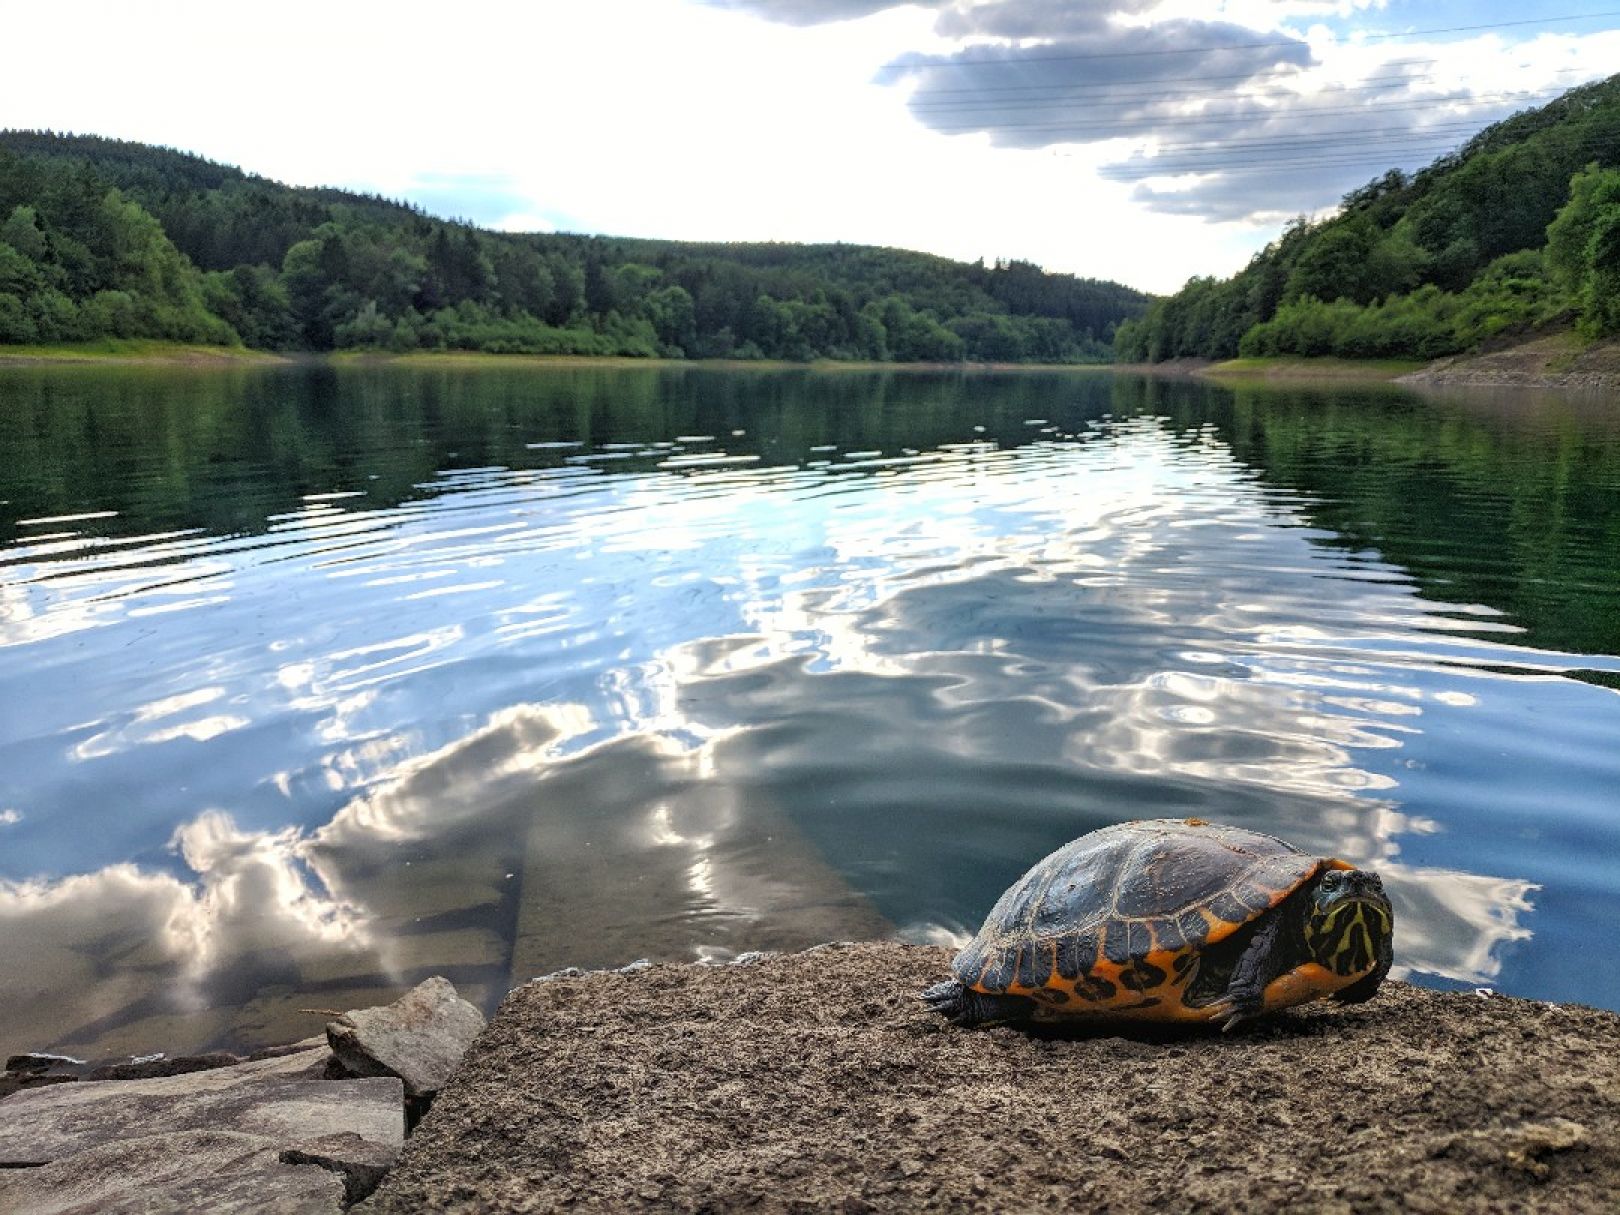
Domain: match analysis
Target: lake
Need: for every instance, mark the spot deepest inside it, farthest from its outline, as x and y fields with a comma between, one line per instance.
x=317, y=680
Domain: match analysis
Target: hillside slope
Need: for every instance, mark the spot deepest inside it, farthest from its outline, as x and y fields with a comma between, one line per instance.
x=104, y=238
x=1517, y=229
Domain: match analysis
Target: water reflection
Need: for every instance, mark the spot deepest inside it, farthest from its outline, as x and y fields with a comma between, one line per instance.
x=681, y=665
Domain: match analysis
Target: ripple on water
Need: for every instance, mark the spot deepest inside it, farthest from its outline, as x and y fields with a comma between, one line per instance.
x=600, y=692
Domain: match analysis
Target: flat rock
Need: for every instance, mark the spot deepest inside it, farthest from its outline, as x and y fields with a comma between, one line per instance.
x=217, y=1171
x=282, y=1099
x=420, y=1037
x=359, y=1162
x=817, y=1081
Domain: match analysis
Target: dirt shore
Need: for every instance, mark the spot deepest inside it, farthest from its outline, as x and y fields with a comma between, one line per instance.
x=1560, y=360
x=816, y=1081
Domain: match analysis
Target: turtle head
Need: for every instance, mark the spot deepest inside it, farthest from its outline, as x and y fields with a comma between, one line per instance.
x=1348, y=920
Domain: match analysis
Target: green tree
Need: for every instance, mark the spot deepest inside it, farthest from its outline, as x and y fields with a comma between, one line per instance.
x=674, y=319
x=22, y=232
x=1583, y=249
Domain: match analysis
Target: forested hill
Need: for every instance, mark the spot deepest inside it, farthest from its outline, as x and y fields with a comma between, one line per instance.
x=1519, y=228
x=106, y=238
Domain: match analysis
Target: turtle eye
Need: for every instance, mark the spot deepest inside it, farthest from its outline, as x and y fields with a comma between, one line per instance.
x=1330, y=879
x=1377, y=882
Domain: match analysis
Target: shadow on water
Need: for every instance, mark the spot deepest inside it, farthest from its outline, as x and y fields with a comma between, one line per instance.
x=322, y=680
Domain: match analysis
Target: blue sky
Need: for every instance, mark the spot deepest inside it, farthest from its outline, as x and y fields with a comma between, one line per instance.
x=1139, y=140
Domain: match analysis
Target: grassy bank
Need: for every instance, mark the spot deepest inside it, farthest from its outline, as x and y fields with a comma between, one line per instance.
x=1287, y=368
x=134, y=350
x=140, y=350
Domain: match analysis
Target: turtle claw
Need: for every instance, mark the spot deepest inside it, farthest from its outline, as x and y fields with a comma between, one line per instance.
x=944, y=998
x=1231, y=1013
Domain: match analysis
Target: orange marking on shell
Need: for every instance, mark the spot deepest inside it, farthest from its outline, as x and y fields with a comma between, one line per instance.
x=1196, y=822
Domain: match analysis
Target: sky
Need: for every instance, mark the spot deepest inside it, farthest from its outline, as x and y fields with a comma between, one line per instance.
x=1144, y=141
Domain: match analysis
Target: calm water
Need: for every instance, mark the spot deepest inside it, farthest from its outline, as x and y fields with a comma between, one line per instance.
x=315, y=682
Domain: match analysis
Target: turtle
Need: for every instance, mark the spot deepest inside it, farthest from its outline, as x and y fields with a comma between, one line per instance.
x=1173, y=920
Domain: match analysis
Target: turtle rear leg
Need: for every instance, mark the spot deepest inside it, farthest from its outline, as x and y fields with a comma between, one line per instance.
x=964, y=1007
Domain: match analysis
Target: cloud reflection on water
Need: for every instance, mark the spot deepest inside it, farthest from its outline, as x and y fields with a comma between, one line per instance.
x=773, y=706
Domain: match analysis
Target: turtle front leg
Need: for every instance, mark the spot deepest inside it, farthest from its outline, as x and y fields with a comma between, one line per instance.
x=1245, y=996
x=965, y=1007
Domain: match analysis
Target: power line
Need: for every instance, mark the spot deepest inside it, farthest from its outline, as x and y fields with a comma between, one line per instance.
x=1374, y=136
x=1302, y=159
x=1024, y=88
x=1147, y=123
x=1237, y=46
x=1202, y=161
x=1254, y=160
x=1038, y=105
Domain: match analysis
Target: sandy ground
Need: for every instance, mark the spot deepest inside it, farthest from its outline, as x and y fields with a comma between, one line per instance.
x=815, y=1081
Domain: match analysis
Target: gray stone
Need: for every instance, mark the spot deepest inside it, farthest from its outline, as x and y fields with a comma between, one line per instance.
x=361, y=1163
x=195, y=1170
x=163, y=1065
x=420, y=1037
x=38, y=1061
x=36, y=1069
x=275, y=1052
x=282, y=1099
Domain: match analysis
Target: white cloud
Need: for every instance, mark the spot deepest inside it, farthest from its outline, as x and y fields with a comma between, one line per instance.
x=9, y=817
x=524, y=221
x=639, y=117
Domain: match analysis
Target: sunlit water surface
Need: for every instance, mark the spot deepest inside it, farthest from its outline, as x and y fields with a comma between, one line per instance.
x=315, y=682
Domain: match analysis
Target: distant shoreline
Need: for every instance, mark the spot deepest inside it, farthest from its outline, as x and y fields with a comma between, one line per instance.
x=137, y=351
x=1556, y=361
x=131, y=352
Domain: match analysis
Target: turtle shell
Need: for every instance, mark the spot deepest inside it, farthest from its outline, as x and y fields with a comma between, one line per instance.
x=1116, y=921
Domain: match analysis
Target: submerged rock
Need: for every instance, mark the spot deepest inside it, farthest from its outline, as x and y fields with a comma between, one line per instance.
x=420, y=1037
x=39, y=1061
x=36, y=1070
x=163, y=1065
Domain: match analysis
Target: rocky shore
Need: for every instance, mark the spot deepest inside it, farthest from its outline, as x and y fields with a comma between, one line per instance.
x=310, y=1127
x=1557, y=361
x=816, y=1081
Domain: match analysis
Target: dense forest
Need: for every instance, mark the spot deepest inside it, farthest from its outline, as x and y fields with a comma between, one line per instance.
x=1516, y=230
x=102, y=238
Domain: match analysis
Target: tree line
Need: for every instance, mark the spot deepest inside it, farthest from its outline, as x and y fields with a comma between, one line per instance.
x=1516, y=230
x=105, y=238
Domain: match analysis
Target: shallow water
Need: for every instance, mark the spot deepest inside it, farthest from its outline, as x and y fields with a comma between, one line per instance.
x=316, y=681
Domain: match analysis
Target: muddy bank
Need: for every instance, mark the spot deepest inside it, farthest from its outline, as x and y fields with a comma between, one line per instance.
x=815, y=1081
x=1559, y=361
